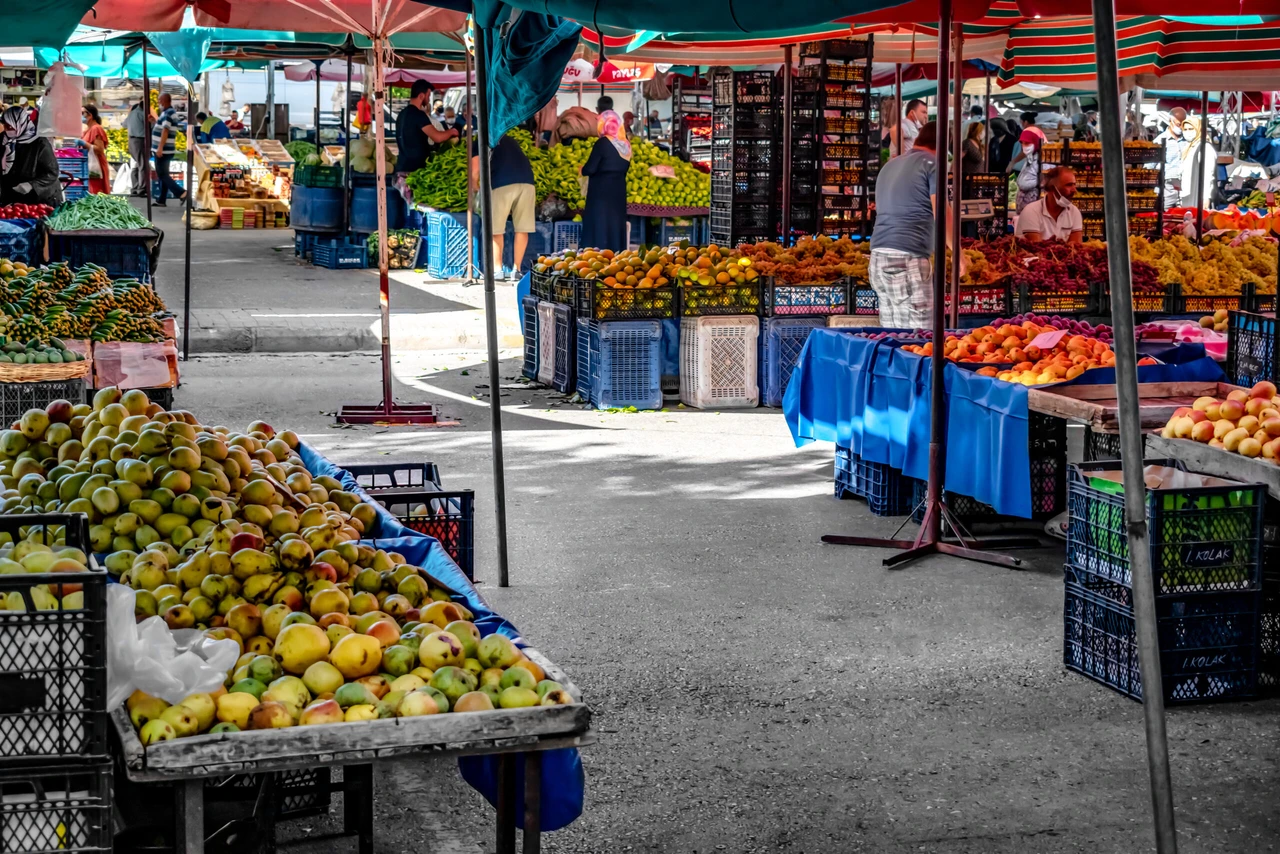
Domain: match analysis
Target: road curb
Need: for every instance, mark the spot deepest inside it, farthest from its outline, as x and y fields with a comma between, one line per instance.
x=329, y=339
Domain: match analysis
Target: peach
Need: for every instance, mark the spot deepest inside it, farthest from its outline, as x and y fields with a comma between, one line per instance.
x=1181, y=411
x=1232, y=440
x=1183, y=426
x=1249, y=447
x=1254, y=405
x=1231, y=410
x=1222, y=428
x=1272, y=426
x=1271, y=449
x=1196, y=415
x=1239, y=395
x=1214, y=411
x=1249, y=423
x=1203, y=403
x=1269, y=412
x=1263, y=389
x=1215, y=443
x=1203, y=431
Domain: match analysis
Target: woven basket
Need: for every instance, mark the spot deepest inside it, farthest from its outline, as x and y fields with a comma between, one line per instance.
x=11, y=373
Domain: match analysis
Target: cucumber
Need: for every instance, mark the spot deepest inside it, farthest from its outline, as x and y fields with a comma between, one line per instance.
x=41, y=359
x=19, y=358
x=54, y=358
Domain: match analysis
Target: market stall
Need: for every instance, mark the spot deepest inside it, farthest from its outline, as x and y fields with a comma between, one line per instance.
x=247, y=183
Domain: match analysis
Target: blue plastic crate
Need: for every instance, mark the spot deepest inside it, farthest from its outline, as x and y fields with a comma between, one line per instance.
x=620, y=363
x=74, y=192
x=567, y=235
x=780, y=347
x=74, y=166
x=303, y=243
x=666, y=231
x=529, y=306
x=566, y=345
x=19, y=240
x=447, y=245
x=805, y=300
x=1208, y=642
x=887, y=491
x=340, y=254
x=120, y=256
x=1202, y=540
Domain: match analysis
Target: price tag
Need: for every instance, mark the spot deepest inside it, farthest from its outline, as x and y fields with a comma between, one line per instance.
x=1271, y=198
x=1048, y=340
x=662, y=171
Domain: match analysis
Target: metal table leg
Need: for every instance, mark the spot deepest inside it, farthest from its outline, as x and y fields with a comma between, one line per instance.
x=532, y=802
x=506, y=804
x=189, y=817
x=357, y=804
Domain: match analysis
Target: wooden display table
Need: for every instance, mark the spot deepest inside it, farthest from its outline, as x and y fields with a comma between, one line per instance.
x=1201, y=458
x=1096, y=405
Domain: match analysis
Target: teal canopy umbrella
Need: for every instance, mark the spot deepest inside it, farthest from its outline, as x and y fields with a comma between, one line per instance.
x=47, y=23
x=112, y=61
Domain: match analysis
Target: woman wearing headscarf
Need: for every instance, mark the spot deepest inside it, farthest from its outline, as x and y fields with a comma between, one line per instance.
x=1191, y=131
x=28, y=169
x=1029, y=175
x=604, y=222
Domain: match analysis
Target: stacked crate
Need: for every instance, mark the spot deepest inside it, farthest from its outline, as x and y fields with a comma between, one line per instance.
x=55, y=772
x=744, y=161
x=1206, y=561
x=619, y=344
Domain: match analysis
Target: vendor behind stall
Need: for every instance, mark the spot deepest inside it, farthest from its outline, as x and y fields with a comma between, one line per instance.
x=211, y=128
x=418, y=132
x=902, y=243
x=28, y=169
x=1053, y=216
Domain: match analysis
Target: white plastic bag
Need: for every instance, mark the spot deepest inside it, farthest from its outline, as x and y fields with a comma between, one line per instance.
x=60, y=107
x=151, y=657
x=123, y=183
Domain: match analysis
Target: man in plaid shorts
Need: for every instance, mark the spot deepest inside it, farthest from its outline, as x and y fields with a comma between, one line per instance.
x=902, y=242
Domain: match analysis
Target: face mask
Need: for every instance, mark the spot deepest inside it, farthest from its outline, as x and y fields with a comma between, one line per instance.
x=1028, y=149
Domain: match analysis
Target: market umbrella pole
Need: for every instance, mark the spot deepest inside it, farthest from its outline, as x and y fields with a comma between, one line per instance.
x=1116, y=224
x=957, y=179
x=490, y=300
x=387, y=412
x=145, y=165
x=319, y=62
x=189, y=196
x=1204, y=139
x=897, y=85
x=986, y=126
x=471, y=190
x=929, y=539
x=346, y=141
x=786, y=145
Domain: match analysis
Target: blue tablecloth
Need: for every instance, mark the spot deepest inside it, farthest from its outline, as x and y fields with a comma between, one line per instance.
x=874, y=398
x=563, y=780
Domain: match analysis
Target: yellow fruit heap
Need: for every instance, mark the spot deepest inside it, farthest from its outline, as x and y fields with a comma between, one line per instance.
x=1216, y=269
x=1245, y=423
x=810, y=260
x=686, y=265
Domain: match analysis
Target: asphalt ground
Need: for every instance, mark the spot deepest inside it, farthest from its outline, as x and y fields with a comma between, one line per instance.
x=753, y=689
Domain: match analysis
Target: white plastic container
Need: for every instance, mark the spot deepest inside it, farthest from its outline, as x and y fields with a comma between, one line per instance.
x=853, y=320
x=546, y=342
x=718, y=362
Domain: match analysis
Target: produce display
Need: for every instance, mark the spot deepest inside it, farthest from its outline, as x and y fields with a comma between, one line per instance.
x=688, y=266
x=1216, y=321
x=402, y=247
x=55, y=302
x=442, y=183
x=1076, y=327
x=117, y=145
x=1046, y=267
x=97, y=211
x=23, y=211
x=364, y=153
x=819, y=259
x=228, y=532
x=1065, y=357
x=1245, y=423
x=299, y=149
x=1215, y=269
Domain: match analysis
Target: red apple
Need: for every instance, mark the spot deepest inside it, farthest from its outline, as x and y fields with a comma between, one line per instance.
x=246, y=540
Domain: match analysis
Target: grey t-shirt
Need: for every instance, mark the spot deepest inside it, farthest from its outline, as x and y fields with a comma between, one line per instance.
x=904, y=217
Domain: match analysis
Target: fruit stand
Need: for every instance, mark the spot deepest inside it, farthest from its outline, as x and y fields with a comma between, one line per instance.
x=246, y=182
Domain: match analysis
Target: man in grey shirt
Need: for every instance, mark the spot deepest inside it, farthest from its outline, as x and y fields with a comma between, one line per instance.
x=1175, y=145
x=135, y=124
x=902, y=242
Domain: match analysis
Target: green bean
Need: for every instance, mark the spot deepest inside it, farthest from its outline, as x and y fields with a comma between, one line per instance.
x=98, y=211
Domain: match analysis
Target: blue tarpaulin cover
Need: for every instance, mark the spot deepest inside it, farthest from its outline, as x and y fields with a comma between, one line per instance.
x=563, y=780
x=873, y=397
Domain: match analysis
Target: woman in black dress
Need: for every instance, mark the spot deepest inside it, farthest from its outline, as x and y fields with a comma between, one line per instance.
x=604, y=222
x=28, y=171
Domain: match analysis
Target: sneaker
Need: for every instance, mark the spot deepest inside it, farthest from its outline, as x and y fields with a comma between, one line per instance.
x=157, y=204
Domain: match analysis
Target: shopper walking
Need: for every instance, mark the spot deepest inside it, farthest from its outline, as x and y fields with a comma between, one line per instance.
x=135, y=124
x=1175, y=146
x=164, y=134
x=513, y=197
x=94, y=138
x=1000, y=148
x=902, y=243
x=604, y=222
x=28, y=169
x=1029, y=173
x=971, y=162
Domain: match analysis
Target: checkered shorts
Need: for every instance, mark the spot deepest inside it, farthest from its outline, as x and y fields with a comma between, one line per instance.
x=904, y=284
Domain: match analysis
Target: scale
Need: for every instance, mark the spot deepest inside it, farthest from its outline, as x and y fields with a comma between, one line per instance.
x=975, y=209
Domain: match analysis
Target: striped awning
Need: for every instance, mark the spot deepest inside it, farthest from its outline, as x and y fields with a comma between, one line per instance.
x=1173, y=53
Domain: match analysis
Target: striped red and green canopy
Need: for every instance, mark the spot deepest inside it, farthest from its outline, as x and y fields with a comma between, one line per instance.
x=1061, y=51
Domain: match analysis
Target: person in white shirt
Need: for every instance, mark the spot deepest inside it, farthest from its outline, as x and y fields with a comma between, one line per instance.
x=914, y=118
x=1053, y=217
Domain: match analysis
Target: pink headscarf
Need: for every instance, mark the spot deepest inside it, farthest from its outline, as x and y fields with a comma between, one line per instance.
x=609, y=126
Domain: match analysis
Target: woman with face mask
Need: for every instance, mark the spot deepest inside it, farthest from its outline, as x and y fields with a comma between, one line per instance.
x=1029, y=176
x=29, y=171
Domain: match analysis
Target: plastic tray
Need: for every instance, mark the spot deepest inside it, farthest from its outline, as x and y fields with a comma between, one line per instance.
x=1252, y=354
x=120, y=255
x=720, y=300
x=17, y=398
x=887, y=491
x=595, y=303
x=1103, y=446
x=1202, y=540
x=340, y=254
x=566, y=235
x=56, y=810
x=53, y=663
x=375, y=476
x=1208, y=644
x=318, y=176
x=22, y=244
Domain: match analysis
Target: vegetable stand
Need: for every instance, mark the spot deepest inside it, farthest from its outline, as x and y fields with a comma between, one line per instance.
x=513, y=735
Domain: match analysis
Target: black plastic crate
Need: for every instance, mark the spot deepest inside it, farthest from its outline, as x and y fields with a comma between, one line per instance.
x=1103, y=446
x=863, y=299
x=447, y=515
x=529, y=318
x=53, y=663
x=1269, y=624
x=121, y=255
x=56, y=810
x=805, y=300
x=1205, y=540
x=540, y=285
x=1048, y=494
x=1252, y=354
x=700, y=301
x=375, y=476
x=986, y=299
x=1180, y=303
x=1082, y=300
x=888, y=492
x=1208, y=642
x=599, y=303
x=17, y=398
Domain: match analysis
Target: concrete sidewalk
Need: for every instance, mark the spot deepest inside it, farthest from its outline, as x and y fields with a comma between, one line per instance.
x=249, y=294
